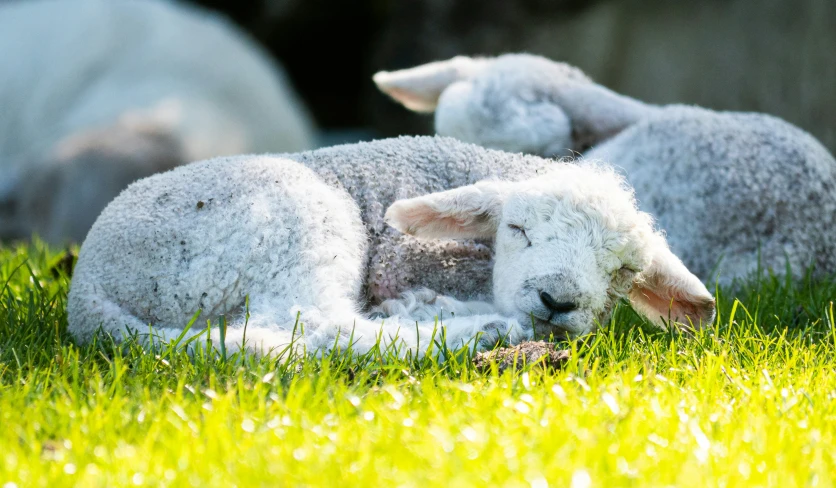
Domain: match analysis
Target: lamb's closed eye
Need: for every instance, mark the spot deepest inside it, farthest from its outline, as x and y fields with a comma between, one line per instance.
x=520, y=230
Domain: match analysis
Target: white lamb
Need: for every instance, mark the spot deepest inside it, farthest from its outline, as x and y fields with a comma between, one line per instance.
x=569, y=243
x=734, y=192
x=98, y=93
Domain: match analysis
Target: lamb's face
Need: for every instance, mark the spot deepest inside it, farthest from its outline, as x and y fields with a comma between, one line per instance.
x=567, y=247
x=560, y=263
x=511, y=105
x=508, y=103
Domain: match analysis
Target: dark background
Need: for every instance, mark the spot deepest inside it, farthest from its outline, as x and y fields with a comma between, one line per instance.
x=774, y=56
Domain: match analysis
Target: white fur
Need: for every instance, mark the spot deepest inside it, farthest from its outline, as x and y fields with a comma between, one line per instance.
x=574, y=233
x=208, y=235
x=81, y=74
x=734, y=192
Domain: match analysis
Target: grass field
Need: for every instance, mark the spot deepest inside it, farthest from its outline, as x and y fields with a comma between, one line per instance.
x=748, y=402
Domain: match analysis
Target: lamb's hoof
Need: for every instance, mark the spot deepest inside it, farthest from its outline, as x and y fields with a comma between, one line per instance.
x=494, y=334
x=527, y=353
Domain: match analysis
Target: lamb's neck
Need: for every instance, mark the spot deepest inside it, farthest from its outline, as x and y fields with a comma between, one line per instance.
x=598, y=113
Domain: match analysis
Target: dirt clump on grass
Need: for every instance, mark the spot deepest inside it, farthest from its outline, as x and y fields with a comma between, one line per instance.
x=540, y=353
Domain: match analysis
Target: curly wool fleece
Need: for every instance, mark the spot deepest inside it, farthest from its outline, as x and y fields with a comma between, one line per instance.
x=376, y=174
x=206, y=235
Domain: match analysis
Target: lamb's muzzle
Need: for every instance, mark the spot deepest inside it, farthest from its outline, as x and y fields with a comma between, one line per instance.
x=556, y=307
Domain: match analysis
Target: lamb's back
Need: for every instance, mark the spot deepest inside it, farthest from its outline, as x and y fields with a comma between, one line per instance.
x=379, y=172
x=727, y=182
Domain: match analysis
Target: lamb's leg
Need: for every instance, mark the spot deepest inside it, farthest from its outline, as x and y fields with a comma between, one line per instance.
x=271, y=330
x=424, y=304
x=261, y=334
x=480, y=332
x=94, y=312
x=317, y=330
x=405, y=335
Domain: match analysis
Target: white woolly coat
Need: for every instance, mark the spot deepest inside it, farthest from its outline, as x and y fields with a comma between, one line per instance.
x=290, y=236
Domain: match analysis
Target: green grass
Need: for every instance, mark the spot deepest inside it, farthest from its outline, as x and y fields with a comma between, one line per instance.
x=750, y=401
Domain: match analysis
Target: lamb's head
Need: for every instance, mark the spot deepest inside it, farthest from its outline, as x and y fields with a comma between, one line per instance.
x=568, y=245
x=507, y=102
x=514, y=102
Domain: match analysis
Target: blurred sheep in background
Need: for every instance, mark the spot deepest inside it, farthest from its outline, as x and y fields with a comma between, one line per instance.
x=99, y=93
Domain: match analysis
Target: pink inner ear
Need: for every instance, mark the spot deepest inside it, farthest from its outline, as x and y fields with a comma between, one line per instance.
x=678, y=308
x=401, y=94
x=422, y=220
x=410, y=98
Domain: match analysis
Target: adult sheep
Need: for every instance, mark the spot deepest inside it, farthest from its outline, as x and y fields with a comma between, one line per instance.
x=735, y=192
x=99, y=93
x=569, y=243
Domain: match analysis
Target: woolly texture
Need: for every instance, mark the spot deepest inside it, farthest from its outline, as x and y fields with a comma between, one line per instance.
x=734, y=192
x=378, y=173
x=207, y=235
x=569, y=244
x=121, y=90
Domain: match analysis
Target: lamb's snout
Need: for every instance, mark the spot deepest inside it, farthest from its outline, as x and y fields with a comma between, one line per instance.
x=556, y=306
x=551, y=297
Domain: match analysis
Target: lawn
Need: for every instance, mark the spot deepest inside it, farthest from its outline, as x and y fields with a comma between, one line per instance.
x=750, y=401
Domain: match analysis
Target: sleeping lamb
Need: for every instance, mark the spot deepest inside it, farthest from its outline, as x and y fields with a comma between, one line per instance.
x=569, y=243
x=734, y=192
x=96, y=94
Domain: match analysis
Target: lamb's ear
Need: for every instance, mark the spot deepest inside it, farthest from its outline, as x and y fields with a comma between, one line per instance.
x=467, y=212
x=667, y=292
x=419, y=88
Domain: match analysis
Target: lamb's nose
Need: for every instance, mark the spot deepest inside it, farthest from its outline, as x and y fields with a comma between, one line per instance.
x=555, y=306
